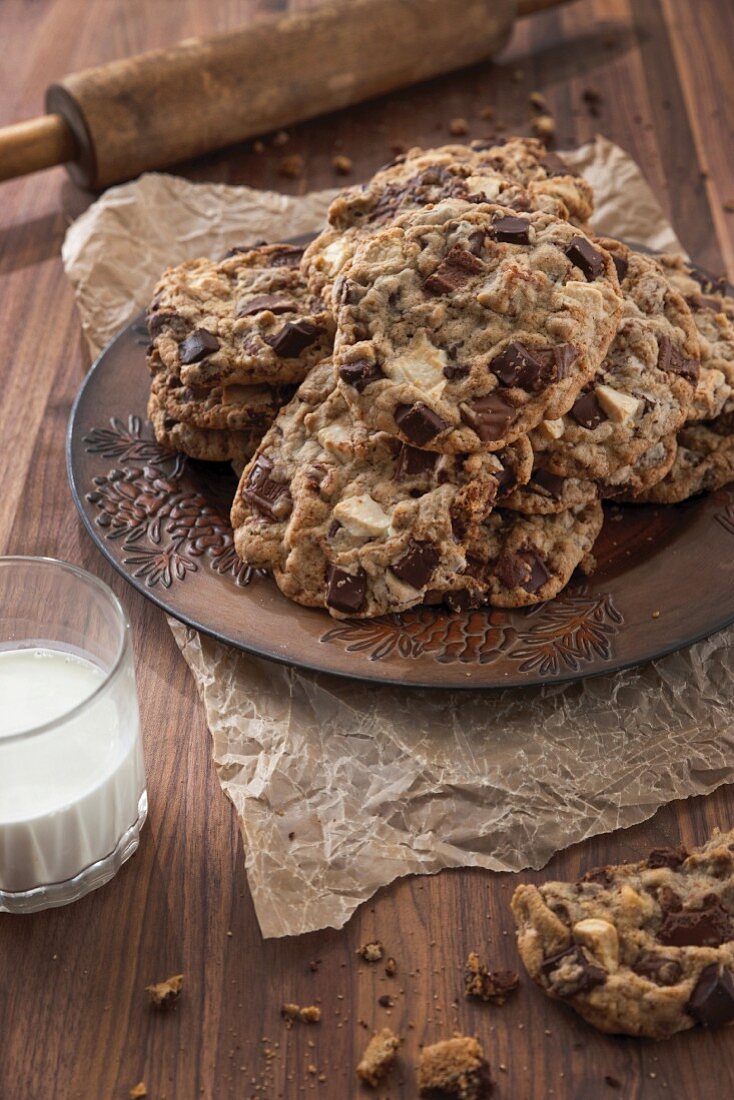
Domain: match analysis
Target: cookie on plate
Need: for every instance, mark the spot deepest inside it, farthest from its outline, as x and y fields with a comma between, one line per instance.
x=639, y=949
x=232, y=407
x=642, y=391
x=246, y=319
x=521, y=560
x=206, y=444
x=358, y=522
x=546, y=494
x=704, y=461
x=519, y=174
x=463, y=326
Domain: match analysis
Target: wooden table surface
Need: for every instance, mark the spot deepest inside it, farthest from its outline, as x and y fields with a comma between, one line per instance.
x=73, y=1017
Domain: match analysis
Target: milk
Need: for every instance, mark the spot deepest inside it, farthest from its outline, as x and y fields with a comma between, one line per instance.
x=68, y=795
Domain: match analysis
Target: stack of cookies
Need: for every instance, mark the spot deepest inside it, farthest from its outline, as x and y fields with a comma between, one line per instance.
x=477, y=373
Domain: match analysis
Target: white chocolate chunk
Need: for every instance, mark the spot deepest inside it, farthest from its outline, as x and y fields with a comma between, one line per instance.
x=362, y=516
x=335, y=255
x=399, y=589
x=551, y=429
x=337, y=440
x=601, y=939
x=619, y=407
x=421, y=365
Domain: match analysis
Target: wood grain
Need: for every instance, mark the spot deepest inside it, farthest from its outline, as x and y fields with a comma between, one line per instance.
x=73, y=1017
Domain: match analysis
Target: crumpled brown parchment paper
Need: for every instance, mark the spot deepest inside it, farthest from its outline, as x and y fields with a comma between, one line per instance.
x=341, y=787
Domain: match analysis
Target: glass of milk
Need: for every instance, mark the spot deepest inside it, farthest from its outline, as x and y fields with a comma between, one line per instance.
x=72, y=780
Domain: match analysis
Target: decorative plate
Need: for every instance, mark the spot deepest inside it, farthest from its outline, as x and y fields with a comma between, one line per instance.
x=664, y=579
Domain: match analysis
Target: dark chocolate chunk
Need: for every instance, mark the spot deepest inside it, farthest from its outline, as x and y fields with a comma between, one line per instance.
x=600, y=875
x=413, y=462
x=276, y=303
x=583, y=974
x=667, y=857
x=698, y=302
x=293, y=338
x=516, y=366
x=522, y=569
x=712, y=1000
x=621, y=265
x=360, y=373
x=556, y=166
x=455, y=370
x=506, y=477
x=510, y=230
x=238, y=248
x=583, y=255
x=290, y=257
x=587, y=411
x=707, y=927
x=167, y=319
x=552, y=483
x=556, y=360
x=418, y=565
x=419, y=423
x=272, y=498
x=669, y=900
x=489, y=416
x=476, y=242
x=333, y=528
x=346, y=591
x=670, y=359
x=197, y=346
x=459, y=600
x=659, y=969
x=455, y=269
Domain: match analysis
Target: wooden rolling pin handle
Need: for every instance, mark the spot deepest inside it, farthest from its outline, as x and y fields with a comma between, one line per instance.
x=36, y=144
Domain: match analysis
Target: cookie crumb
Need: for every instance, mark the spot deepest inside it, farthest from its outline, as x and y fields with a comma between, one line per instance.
x=309, y=1014
x=613, y=1082
x=137, y=1092
x=458, y=127
x=391, y=967
x=454, y=1067
x=592, y=98
x=728, y=205
x=517, y=75
x=371, y=952
x=281, y=138
x=481, y=984
x=342, y=165
x=487, y=113
x=164, y=994
x=656, y=614
x=292, y=167
x=385, y=1001
x=543, y=126
x=538, y=102
x=378, y=1057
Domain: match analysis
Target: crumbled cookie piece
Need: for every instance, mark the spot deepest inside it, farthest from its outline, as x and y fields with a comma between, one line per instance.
x=538, y=102
x=642, y=948
x=292, y=1013
x=458, y=127
x=342, y=165
x=391, y=967
x=482, y=984
x=292, y=166
x=454, y=1068
x=487, y=113
x=137, y=1092
x=371, y=952
x=378, y=1057
x=164, y=994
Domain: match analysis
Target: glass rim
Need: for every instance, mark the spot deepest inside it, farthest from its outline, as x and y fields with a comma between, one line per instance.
x=121, y=618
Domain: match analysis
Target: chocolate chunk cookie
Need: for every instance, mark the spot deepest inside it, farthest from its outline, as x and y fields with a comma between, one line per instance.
x=518, y=174
x=247, y=319
x=520, y=560
x=207, y=444
x=641, y=949
x=547, y=494
x=642, y=391
x=704, y=461
x=358, y=522
x=463, y=326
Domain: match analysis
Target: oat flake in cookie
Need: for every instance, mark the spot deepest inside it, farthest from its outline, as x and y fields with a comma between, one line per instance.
x=642, y=391
x=639, y=949
x=358, y=522
x=463, y=326
x=247, y=319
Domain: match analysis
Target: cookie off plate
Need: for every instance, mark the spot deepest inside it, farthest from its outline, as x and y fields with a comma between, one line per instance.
x=665, y=575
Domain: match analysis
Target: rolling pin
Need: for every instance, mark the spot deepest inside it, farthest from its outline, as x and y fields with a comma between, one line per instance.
x=115, y=121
